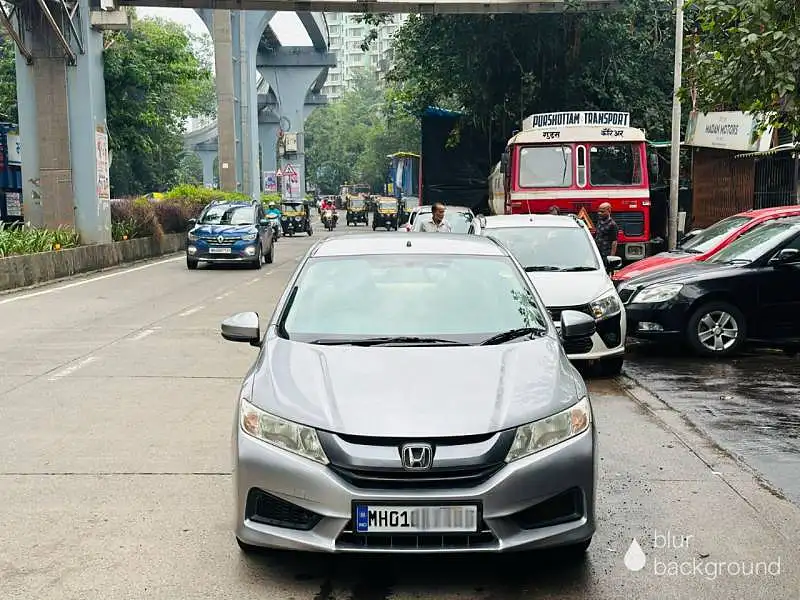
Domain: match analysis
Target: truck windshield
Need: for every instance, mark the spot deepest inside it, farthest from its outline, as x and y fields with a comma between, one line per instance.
x=615, y=164
x=545, y=166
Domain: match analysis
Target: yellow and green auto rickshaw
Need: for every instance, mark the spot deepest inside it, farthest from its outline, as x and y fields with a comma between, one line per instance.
x=385, y=214
x=295, y=218
x=357, y=211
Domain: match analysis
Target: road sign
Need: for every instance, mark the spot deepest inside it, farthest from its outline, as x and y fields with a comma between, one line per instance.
x=279, y=173
x=583, y=215
x=291, y=172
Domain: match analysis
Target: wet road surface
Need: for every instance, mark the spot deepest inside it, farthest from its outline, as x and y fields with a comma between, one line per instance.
x=749, y=405
x=116, y=405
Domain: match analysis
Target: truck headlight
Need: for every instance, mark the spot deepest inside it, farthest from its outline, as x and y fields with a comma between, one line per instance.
x=657, y=293
x=544, y=433
x=293, y=437
x=605, y=306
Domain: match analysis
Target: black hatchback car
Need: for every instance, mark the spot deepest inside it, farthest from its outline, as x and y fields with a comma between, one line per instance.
x=748, y=291
x=230, y=232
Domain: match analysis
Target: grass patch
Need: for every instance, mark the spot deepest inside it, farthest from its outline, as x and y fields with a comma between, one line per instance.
x=24, y=239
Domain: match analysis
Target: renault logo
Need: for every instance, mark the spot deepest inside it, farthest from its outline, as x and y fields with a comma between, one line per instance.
x=220, y=239
x=416, y=457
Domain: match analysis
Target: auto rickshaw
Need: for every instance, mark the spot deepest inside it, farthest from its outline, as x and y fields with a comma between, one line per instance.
x=357, y=211
x=295, y=218
x=385, y=214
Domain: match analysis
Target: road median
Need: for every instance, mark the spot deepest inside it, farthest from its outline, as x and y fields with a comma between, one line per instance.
x=19, y=271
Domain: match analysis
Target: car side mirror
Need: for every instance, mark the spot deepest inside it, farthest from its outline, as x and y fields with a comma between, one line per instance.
x=786, y=256
x=613, y=263
x=576, y=325
x=242, y=327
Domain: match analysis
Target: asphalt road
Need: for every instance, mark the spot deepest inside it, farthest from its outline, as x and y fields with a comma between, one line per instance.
x=116, y=404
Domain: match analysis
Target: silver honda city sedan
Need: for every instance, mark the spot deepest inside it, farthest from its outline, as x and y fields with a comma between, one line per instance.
x=490, y=447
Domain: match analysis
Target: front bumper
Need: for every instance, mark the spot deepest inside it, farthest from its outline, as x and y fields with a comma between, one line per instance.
x=238, y=251
x=663, y=321
x=518, y=505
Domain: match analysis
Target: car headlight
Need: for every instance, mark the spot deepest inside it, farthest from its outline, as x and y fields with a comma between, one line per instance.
x=552, y=430
x=249, y=237
x=192, y=237
x=657, y=293
x=605, y=306
x=293, y=437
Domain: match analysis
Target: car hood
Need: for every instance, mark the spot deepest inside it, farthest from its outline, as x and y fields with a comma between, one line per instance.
x=570, y=289
x=655, y=262
x=223, y=229
x=682, y=273
x=421, y=391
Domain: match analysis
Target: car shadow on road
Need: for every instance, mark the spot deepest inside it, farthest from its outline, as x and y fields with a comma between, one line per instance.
x=374, y=577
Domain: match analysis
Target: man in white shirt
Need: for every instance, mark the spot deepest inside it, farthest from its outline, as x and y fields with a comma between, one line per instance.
x=437, y=222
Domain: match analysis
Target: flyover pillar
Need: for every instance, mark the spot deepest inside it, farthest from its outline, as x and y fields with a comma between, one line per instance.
x=291, y=73
x=207, y=157
x=62, y=117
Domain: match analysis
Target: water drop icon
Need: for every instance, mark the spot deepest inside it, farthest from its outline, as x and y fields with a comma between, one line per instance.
x=635, y=557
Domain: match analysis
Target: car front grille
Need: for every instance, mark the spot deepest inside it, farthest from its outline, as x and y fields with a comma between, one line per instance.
x=390, y=479
x=483, y=539
x=226, y=240
x=265, y=508
x=630, y=222
x=578, y=346
x=374, y=463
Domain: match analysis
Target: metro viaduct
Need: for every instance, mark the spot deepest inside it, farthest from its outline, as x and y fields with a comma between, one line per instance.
x=61, y=89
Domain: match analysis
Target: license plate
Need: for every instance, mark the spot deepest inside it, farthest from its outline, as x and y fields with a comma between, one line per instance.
x=416, y=519
x=219, y=250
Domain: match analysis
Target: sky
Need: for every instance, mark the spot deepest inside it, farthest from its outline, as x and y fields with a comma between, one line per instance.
x=286, y=25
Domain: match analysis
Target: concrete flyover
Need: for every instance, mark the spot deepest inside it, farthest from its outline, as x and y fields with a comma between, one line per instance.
x=275, y=101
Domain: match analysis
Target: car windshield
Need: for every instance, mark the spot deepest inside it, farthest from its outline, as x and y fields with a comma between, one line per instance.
x=615, y=164
x=549, y=248
x=707, y=239
x=756, y=242
x=375, y=294
x=545, y=166
x=228, y=215
x=459, y=220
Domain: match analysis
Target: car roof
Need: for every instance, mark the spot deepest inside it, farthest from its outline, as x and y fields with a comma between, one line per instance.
x=501, y=221
x=771, y=212
x=410, y=243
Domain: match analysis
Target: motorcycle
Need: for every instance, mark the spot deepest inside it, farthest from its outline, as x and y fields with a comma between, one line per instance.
x=329, y=218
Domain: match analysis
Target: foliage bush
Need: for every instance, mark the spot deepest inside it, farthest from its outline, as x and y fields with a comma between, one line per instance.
x=25, y=239
x=134, y=218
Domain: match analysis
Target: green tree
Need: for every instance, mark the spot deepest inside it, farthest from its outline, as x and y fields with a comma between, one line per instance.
x=500, y=68
x=348, y=140
x=153, y=83
x=8, y=80
x=746, y=56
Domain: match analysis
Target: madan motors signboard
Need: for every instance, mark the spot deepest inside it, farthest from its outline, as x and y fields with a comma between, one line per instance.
x=729, y=130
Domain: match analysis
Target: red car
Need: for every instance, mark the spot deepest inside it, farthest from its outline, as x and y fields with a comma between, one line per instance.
x=706, y=243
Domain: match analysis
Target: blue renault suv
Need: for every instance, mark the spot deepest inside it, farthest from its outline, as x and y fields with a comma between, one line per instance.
x=230, y=232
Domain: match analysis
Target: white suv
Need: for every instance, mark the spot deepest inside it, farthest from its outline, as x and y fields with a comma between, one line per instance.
x=562, y=259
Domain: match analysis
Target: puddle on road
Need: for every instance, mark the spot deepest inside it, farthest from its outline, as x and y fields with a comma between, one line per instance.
x=750, y=405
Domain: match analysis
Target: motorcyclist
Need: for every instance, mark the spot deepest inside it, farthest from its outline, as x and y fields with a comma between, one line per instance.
x=328, y=204
x=273, y=211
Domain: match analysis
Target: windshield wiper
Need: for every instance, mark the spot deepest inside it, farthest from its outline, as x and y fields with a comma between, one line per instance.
x=689, y=250
x=378, y=341
x=512, y=334
x=541, y=268
x=573, y=269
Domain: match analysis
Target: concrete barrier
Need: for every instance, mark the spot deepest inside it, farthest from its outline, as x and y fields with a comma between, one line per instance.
x=30, y=269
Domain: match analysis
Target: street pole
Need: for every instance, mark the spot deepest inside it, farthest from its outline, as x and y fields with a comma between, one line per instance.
x=675, y=154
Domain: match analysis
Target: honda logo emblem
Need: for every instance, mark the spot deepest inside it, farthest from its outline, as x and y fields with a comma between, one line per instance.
x=416, y=457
